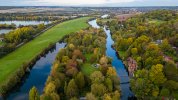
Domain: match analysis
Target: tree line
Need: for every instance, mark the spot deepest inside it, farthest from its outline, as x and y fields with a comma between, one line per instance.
x=7, y=26
x=150, y=39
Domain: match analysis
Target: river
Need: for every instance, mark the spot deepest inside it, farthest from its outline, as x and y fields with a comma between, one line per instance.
x=40, y=71
x=37, y=76
x=25, y=23
x=18, y=23
x=116, y=63
x=5, y=31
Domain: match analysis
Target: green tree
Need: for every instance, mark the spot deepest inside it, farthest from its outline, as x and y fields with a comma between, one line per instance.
x=116, y=95
x=155, y=91
x=33, y=94
x=90, y=96
x=97, y=77
x=156, y=74
x=98, y=89
x=165, y=92
x=165, y=46
x=109, y=84
x=72, y=89
x=40, y=27
x=141, y=84
x=80, y=80
x=65, y=59
x=134, y=51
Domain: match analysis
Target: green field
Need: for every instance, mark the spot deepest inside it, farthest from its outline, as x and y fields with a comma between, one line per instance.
x=154, y=21
x=106, y=20
x=1, y=43
x=87, y=69
x=10, y=63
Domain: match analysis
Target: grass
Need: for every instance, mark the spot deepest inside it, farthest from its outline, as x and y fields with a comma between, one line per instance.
x=154, y=21
x=1, y=43
x=88, y=56
x=13, y=61
x=87, y=69
x=106, y=20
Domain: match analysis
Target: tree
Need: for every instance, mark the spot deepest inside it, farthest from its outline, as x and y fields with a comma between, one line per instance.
x=155, y=91
x=98, y=89
x=109, y=84
x=107, y=97
x=72, y=89
x=134, y=51
x=72, y=71
x=80, y=80
x=165, y=92
x=77, y=54
x=33, y=94
x=165, y=46
x=111, y=72
x=156, y=74
x=97, y=77
x=116, y=95
x=50, y=88
x=52, y=96
x=71, y=46
x=103, y=61
x=141, y=84
x=65, y=59
x=40, y=27
x=90, y=96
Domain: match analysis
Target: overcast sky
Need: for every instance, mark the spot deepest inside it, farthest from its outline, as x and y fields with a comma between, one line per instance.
x=88, y=2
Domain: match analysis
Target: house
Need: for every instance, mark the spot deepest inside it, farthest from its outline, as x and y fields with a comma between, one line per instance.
x=159, y=42
x=1, y=39
x=132, y=66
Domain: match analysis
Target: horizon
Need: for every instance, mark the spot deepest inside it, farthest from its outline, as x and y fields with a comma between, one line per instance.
x=90, y=3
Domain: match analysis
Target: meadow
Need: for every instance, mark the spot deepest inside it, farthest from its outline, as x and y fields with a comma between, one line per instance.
x=13, y=61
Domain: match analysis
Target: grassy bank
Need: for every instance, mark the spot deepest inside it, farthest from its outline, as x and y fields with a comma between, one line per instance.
x=13, y=61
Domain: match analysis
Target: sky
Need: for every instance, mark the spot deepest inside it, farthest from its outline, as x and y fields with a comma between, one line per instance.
x=118, y=3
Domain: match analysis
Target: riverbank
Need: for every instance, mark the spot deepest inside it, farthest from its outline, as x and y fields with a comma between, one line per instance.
x=14, y=61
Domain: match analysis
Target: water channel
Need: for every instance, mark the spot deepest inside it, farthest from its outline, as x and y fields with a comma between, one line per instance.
x=116, y=63
x=37, y=76
x=40, y=71
x=18, y=23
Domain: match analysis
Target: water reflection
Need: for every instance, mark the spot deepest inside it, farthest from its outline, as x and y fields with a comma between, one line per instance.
x=116, y=63
x=37, y=76
x=17, y=23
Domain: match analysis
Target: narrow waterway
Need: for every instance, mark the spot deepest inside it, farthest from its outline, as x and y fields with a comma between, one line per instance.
x=117, y=63
x=37, y=76
x=40, y=71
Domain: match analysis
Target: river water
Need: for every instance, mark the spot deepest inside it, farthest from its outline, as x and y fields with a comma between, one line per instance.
x=40, y=71
x=37, y=76
x=5, y=31
x=116, y=63
x=18, y=23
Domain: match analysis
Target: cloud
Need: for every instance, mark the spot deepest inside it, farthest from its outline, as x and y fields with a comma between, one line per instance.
x=80, y=2
x=115, y=3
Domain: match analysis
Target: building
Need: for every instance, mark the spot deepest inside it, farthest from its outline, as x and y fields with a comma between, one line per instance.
x=1, y=39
